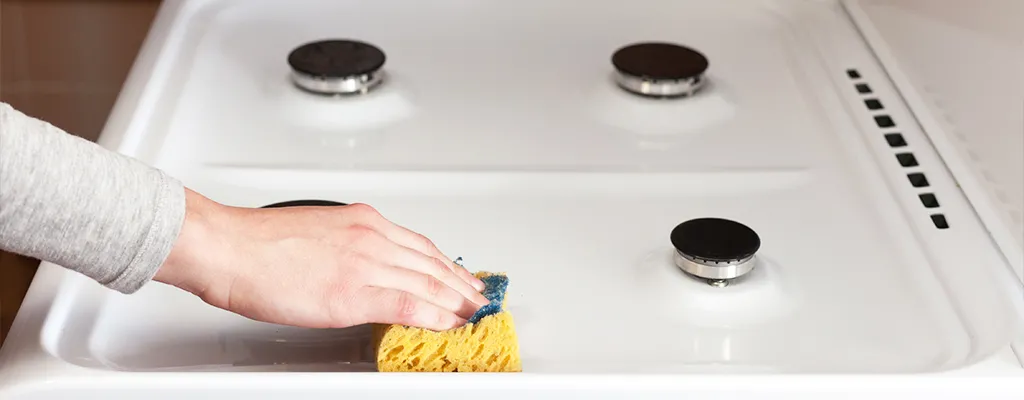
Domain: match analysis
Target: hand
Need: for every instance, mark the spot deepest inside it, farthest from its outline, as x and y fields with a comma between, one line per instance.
x=318, y=267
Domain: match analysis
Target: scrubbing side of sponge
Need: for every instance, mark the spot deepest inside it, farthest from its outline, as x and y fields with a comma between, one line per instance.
x=487, y=343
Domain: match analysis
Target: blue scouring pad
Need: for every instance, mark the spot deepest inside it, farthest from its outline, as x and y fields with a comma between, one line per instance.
x=494, y=291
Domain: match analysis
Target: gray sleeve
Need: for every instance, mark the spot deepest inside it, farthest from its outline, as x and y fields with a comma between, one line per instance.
x=68, y=201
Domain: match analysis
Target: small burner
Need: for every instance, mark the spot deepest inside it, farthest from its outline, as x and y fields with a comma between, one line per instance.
x=662, y=70
x=715, y=249
x=305, y=203
x=337, y=67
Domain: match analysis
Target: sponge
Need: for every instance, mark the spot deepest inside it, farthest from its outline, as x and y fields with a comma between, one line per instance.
x=486, y=343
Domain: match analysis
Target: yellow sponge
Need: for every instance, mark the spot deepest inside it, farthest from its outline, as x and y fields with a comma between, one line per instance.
x=487, y=343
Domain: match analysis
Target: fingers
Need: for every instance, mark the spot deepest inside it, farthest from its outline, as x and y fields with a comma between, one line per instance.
x=468, y=277
x=417, y=262
x=391, y=306
x=415, y=241
x=424, y=286
x=413, y=260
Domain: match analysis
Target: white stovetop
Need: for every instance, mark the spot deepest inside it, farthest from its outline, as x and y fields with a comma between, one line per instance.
x=499, y=135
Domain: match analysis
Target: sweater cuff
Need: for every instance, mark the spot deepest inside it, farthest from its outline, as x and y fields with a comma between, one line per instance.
x=169, y=215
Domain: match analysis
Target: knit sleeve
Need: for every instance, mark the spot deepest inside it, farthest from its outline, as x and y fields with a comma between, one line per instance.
x=71, y=202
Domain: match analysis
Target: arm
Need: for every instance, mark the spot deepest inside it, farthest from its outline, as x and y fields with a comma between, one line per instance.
x=123, y=223
x=66, y=200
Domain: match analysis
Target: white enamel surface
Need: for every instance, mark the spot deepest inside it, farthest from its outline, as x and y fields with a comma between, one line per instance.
x=977, y=121
x=501, y=137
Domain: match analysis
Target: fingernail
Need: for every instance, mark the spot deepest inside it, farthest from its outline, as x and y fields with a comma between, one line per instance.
x=479, y=285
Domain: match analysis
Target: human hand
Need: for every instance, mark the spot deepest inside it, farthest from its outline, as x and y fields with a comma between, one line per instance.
x=317, y=267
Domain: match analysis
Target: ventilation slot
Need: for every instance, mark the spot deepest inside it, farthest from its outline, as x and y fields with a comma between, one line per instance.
x=884, y=121
x=929, y=200
x=907, y=159
x=895, y=140
x=904, y=154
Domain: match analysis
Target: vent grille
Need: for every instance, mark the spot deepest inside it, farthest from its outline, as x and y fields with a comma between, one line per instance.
x=902, y=151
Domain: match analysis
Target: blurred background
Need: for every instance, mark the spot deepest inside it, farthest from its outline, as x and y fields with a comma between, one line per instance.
x=63, y=61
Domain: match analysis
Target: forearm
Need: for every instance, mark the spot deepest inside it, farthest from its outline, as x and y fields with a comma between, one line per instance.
x=68, y=201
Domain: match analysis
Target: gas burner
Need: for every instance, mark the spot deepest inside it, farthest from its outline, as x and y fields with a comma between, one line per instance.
x=305, y=203
x=661, y=70
x=337, y=67
x=715, y=249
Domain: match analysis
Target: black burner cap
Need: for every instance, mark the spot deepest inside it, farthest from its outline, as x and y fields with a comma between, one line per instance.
x=336, y=58
x=660, y=61
x=715, y=239
x=304, y=203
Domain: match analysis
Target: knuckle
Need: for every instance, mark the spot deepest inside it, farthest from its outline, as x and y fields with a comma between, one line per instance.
x=406, y=306
x=425, y=241
x=364, y=209
x=444, y=320
x=361, y=230
x=434, y=286
x=362, y=233
x=440, y=269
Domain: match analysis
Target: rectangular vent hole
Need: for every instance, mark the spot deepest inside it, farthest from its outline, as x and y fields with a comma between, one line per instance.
x=883, y=121
x=929, y=200
x=907, y=159
x=863, y=88
x=873, y=104
x=940, y=221
x=918, y=180
x=853, y=74
x=895, y=140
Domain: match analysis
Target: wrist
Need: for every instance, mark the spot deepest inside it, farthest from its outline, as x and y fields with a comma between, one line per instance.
x=195, y=261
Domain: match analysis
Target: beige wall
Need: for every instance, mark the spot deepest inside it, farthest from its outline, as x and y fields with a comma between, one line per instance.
x=63, y=61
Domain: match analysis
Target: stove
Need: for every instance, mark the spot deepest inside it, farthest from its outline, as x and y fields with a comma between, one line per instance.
x=690, y=198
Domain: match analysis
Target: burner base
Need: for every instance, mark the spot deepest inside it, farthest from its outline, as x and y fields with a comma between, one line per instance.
x=660, y=89
x=347, y=86
x=714, y=272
